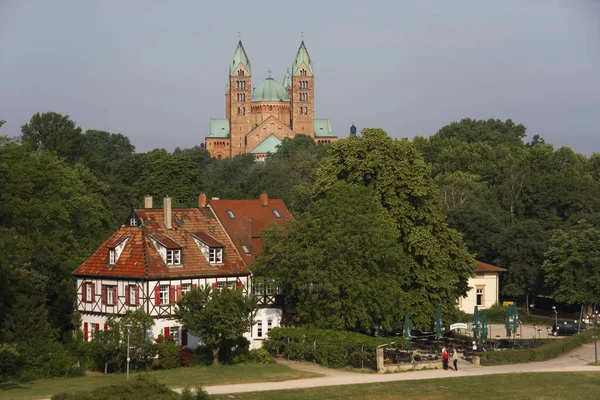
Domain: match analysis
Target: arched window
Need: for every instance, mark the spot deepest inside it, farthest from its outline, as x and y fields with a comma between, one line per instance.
x=239, y=111
x=241, y=72
x=219, y=157
x=243, y=110
x=270, y=108
x=300, y=111
x=306, y=110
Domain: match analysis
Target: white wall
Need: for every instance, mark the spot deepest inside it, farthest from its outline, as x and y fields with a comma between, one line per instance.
x=263, y=315
x=489, y=282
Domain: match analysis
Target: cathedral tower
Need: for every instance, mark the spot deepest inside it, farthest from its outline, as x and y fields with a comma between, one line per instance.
x=237, y=100
x=302, y=96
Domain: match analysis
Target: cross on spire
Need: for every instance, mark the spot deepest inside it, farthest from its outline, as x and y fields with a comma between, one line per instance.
x=240, y=35
x=269, y=72
x=302, y=35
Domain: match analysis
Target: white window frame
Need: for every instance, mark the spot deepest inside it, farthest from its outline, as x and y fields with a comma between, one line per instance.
x=269, y=325
x=164, y=295
x=479, y=292
x=132, y=291
x=215, y=255
x=88, y=292
x=245, y=248
x=133, y=221
x=110, y=298
x=259, y=328
x=174, y=333
x=112, y=256
x=185, y=288
x=173, y=256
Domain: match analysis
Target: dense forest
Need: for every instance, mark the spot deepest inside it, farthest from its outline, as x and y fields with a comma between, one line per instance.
x=413, y=214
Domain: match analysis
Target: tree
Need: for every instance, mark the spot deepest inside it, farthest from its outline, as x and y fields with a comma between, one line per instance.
x=440, y=264
x=340, y=262
x=215, y=315
x=54, y=132
x=572, y=264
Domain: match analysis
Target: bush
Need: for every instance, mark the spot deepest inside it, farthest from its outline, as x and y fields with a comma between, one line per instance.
x=168, y=354
x=552, y=349
x=46, y=358
x=325, y=346
x=231, y=352
x=10, y=361
x=260, y=356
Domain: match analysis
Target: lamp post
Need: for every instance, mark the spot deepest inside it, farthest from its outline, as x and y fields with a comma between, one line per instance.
x=555, y=315
x=128, y=326
x=595, y=323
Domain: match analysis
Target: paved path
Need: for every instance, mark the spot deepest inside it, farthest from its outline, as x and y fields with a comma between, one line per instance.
x=576, y=360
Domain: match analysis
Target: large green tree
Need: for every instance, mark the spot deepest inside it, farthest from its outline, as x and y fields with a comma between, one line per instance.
x=215, y=315
x=340, y=262
x=54, y=132
x=440, y=264
x=572, y=264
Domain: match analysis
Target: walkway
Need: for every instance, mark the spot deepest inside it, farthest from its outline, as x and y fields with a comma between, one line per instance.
x=576, y=360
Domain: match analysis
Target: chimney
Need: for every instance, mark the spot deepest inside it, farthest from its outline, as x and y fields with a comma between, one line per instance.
x=147, y=201
x=202, y=200
x=167, y=211
x=264, y=199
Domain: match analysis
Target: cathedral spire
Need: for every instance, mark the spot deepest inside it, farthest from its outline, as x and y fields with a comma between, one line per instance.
x=302, y=57
x=287, y=80
x=239, y=57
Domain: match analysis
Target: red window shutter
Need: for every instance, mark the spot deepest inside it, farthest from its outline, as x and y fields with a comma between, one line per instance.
x=214, y=285
x=178, y=292
x=194, y=286
x=137, y=295
x=167, y=332
x=171, y=294
x=104, y=295
x=105, y=326
x=128, y=289
x=157, y=295
x=83, y=291
x=85, y=331
x=239, y=284
x=115, y=293
x=93, y=299
x=97, y=327
x=184, y=338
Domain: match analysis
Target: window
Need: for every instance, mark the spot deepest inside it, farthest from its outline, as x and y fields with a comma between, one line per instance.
x=269, y=325
x=303, y=72
x=89, y=296
x=215, y=255
x=245, y=248
x=306, y=110
x=243, y=110
x=270, y=108
x=164, y=294
x=173, y=256
x=276, y=213
x=230, y=213
x=131, y=295
x=241, y=72
x=259, y=329
x=110, y=298
x=174, y=333
x=133, y=221
x=112, y=256
x=185, y=288
x=226, y=285
x=300, y=111
x=479, y=296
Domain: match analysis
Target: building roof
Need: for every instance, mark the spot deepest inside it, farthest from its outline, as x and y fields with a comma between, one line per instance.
x=219, y=127
x=287, y=80
x=483, y=267
x=250, y=217
x=269, y=145
x=323, y=128
x=270, y=90
x=302, y=57
x=239, y=57
x=140, y=259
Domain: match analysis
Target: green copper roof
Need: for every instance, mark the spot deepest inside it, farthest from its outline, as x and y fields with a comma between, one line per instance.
x=219, y=128
x=323, y=128
x=302, y=57
x=239, y=57
x=287, y=80
x=270, y=90
x=269, y=145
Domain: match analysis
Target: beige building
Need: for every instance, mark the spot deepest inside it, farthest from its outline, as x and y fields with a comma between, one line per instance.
x=484, y=288
x=258, y=119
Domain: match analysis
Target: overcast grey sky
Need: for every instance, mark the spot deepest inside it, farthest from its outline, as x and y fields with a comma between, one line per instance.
x=156, y=70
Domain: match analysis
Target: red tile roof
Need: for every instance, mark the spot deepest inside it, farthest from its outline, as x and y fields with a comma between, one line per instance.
x=140, y=258
x=207, y=239
x=483, y=267
x=250, y=218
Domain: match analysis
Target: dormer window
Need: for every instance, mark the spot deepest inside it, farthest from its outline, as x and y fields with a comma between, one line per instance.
x=211, y=249
x=215, y=255
x=132, y=221
x=173, y=256
x=112, y=256
x=245, y=248
x=276, y=213
x=115, y=248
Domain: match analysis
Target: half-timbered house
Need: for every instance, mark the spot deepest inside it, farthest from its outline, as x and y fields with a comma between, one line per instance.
x=152, y=260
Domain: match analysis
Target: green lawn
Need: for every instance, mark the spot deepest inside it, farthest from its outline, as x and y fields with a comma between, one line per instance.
x=180, y=377
x=555, y=385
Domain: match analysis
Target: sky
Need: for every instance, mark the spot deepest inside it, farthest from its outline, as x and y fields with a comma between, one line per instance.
x=156, y=71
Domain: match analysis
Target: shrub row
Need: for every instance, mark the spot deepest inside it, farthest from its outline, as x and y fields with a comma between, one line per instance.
x=327, y=347
x=552, y=349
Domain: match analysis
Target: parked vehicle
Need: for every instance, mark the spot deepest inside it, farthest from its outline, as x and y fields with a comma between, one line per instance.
x=566, y=329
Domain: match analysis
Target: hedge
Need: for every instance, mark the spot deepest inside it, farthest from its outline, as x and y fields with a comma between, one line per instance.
x=550, y=350
x=324, y=346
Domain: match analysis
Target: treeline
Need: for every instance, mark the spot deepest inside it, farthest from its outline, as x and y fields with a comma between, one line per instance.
x=64, y=191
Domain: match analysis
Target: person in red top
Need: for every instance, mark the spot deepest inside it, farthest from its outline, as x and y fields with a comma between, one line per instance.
x=445, y=357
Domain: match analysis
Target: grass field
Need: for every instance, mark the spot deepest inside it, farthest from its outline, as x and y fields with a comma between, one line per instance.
x=554, y=385
x=180, y=377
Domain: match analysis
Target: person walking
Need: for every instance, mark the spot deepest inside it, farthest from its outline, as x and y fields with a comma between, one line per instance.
x=455, y=359
x=445, y=357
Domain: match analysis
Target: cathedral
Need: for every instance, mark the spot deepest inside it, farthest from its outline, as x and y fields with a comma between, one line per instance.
x=257, y=120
